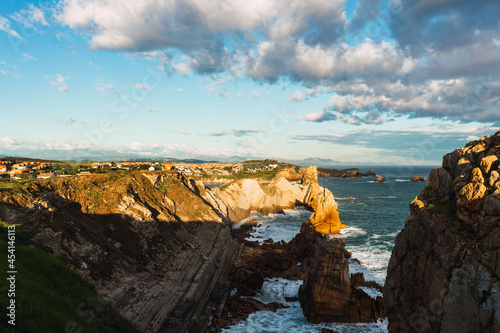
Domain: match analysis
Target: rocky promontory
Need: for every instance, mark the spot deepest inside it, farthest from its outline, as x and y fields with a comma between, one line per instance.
x=444, y=269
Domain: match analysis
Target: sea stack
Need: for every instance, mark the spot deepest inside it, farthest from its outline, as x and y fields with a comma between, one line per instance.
x=379, y=179
x=444, y=269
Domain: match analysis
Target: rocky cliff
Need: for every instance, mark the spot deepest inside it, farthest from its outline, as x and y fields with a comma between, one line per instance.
x=113, y=230
x=237, y=200
x=157, y=246
x=444, y=270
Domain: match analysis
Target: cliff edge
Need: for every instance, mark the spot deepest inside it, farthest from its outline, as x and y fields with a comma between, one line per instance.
x=444, y=269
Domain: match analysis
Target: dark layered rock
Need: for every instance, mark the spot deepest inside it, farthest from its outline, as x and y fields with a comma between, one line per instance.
x=444, y=269
x=327, y=294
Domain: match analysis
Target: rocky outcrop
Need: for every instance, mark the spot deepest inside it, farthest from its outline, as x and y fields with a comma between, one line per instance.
x=370, y=173
x=327, y=294
x=444, y=269
x=419, y=179
x=345, y=173
x=379, y=179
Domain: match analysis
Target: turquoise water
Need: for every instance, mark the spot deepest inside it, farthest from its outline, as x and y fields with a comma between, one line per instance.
x=374, y=214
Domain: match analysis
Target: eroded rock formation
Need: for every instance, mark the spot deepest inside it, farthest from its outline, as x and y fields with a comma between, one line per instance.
x=444, y=269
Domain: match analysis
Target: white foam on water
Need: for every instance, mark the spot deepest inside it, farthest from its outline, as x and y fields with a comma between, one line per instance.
x=373, y=261
x=291, y=319
x=372, y=292
x=402, y=180
x=278, y=227
x=351, y=231
x=276, y=289
x=393, y=234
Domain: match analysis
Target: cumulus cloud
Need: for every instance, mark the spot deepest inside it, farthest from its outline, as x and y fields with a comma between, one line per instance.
x=256, y=94
x=59, y=82
x=425, y=58
x=180, y=90
x=155, y=110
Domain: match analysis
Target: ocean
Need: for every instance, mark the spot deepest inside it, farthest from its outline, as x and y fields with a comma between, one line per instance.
x=374, y=214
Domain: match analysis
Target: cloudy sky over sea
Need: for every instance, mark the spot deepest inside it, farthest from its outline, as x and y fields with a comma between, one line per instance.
x=398, y=81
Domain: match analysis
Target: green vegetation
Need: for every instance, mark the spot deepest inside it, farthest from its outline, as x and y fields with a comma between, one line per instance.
x=50, y=297
x=439, y=207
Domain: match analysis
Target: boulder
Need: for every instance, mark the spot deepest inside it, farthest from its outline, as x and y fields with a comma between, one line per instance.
x=380, y=179
x=488, y=163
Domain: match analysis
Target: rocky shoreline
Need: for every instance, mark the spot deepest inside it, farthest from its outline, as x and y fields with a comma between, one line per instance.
x=159, y=247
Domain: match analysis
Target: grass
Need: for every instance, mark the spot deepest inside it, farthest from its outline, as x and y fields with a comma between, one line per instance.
x=50, y=297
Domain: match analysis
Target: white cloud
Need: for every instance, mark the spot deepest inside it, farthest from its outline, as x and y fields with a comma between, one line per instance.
x=103, y=87
x=5, y=26
x=59, y=82
x=180, y=90
x=70, y=120
x=182, y=69
x=28, y=57
x=142, y=86
x=297, y=96
x=155, y=110
x=12, y=75
x=29, y=17
x=256, y=94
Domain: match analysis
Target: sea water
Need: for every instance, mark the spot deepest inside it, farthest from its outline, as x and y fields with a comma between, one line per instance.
x=374, y=213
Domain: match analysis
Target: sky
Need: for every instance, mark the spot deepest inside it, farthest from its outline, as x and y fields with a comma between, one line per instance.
x=374, y=81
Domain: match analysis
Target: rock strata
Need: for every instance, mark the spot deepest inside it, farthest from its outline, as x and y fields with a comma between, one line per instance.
x=444, y=269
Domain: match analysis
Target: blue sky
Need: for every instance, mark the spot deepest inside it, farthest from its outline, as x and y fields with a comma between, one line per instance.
x=376, y=81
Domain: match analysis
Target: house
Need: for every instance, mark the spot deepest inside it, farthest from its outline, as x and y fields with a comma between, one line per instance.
x=3, y=168
x=46, y=175
x=84, y=173
x=152, y=168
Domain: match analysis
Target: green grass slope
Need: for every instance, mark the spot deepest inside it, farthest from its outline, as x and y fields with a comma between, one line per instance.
x=50, y=297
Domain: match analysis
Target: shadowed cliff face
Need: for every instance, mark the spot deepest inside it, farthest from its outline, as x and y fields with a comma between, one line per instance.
x=444, y=270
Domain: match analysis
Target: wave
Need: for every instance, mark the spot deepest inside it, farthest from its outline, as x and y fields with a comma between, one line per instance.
x=402, y=180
